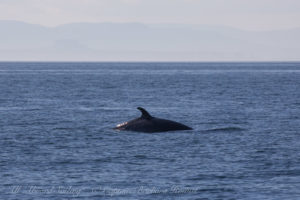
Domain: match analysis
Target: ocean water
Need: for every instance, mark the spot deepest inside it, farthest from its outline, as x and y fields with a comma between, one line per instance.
x=57, y=142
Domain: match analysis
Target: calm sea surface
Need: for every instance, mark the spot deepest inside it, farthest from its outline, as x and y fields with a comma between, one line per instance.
x=57, y=142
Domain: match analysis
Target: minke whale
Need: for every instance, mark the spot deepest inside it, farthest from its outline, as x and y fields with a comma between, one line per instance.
x=149, y=124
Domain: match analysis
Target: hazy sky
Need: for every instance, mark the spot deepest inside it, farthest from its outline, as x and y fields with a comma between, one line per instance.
x=245, y=14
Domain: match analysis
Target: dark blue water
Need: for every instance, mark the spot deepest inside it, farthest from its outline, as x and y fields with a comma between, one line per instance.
x=57, y=141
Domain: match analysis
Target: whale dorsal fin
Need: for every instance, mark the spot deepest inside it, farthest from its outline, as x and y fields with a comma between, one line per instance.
x=145, y=114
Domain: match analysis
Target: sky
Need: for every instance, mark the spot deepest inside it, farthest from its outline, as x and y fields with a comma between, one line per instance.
x=257, y=15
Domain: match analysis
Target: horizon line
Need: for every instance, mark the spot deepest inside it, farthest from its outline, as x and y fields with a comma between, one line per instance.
x=146, y=23
x=136, y=61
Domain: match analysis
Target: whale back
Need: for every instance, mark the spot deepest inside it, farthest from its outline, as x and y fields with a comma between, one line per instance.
x=149, y=124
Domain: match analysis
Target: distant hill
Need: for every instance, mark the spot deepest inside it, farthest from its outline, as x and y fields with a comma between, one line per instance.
x=144, y=42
